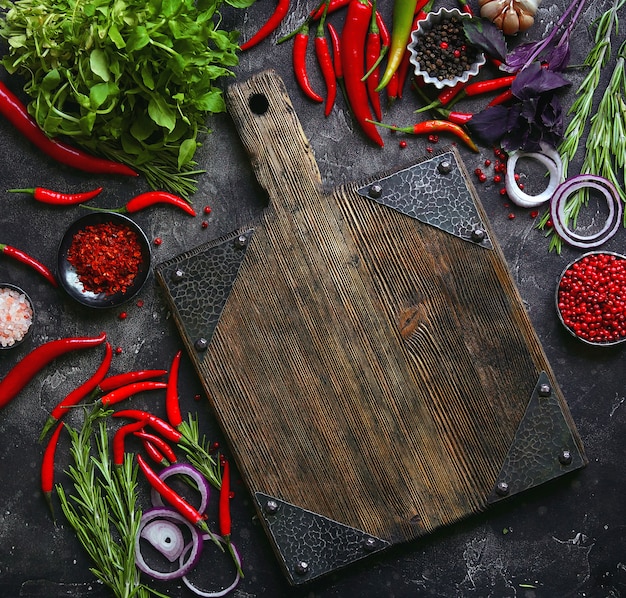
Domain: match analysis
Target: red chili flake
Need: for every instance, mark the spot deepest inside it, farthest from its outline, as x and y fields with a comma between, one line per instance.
x=158, y=241
x=204, y=224
x=123, y=315
x=106, y=257
x=207, y=209
x=402, y=144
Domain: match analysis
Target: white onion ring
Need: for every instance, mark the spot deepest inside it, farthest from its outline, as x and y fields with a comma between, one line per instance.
x=188, y=556
x=191, y=472
x=165, y=536
x=571, y=186
x=219, y=593
x=551, y=160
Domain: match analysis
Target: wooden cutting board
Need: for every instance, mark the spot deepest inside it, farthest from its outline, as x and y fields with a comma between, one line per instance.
x=365, y=350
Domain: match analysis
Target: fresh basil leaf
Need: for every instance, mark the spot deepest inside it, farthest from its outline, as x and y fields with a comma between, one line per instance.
x=186, y=152
x=486, y=36
x=161, y=113
x=99, y=64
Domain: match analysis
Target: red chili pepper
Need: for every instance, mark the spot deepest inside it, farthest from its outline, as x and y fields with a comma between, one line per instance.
x=24, y=258
x=336, y=44
x=57, y=198
x=459, y=118
x=112, y=382
x=300, y=44
x=159, y=443
x=150, y=198
x=270, y=25
x=330, y=6
x=124, y=392
x=154, y=453
x=119, y=440
x=480, y=87
x=188, y=511
x=445, y=97
x=172, y=401
x=26, y=369
x=434, y=126
x=224, y=518
x=17, y=114
x=325, y=60
x=156, y=423
x=501, y=98
x=373, y=53
x=353, y=38
x=79, y=393
x=47, y=465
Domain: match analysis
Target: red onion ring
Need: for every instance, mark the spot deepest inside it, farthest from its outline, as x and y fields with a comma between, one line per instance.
x=559, y=202
x=191, y=472
x=149, y=531
x=219, y=593
x=551, y=160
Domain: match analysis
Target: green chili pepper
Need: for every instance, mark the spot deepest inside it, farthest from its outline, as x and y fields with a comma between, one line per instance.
x=403, y=11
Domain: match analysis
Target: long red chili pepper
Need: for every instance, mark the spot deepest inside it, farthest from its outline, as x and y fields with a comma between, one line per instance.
x=373, y=52
x=47, y=465
x=166, y=451
x=125, y=392
x=154, y=453
x=188, y=511
x=172, y=400
x=154, y=421
x=434, y=126
x=58, y=198
x=329, y=6
x=79, y=393
x=501, y=98
x=224, y=518
x=147, y=199
x=119, y=440
x=26, y=369
x=16, y=113
x=444, y=98
x=480, y=87
x=353, y=39
x=325, y=61
x=270, y=25
x=24, y=258
x=112, y=382
x=300, y=44
x=459, y=118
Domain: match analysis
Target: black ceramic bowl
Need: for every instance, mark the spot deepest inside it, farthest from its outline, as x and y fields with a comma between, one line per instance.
x=596, y=299
x=70, y=279
x=4, y=342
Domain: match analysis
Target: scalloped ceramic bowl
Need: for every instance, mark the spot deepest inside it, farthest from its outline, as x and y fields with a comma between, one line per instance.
x=585, y=338
x=11, y=293
x=427, y=24
x=69, y=278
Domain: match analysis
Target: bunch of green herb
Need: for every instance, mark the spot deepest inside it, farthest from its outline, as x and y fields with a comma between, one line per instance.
x=605, y=148
x=198, y=451
x=131, y=80
x=102, y=509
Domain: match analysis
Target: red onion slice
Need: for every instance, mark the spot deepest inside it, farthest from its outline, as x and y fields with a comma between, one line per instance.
x=156, y=541
x=184, y=469
x=218, y=593
x=559, y=203
x=551, y=160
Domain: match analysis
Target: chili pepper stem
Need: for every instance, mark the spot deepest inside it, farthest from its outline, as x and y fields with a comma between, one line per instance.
x=121, y=210
x=383, y=51
x=29, y=191
x=231, y=551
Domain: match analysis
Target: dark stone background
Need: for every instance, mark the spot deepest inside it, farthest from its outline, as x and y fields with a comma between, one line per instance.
x=565, y=539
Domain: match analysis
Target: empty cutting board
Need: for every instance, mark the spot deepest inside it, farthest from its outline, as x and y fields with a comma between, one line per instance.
x=365, y=350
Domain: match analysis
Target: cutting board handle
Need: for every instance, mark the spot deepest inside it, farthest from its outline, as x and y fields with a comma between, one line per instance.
x=272, y=135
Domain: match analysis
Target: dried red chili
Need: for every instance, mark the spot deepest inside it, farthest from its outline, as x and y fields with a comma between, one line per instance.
x=106, y=257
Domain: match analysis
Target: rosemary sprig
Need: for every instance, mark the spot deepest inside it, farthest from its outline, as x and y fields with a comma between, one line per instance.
x=198, y=452
x=605, y=147
x=103, y=508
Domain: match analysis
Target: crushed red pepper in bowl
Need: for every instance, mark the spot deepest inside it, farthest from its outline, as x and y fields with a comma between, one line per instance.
x=104, y=259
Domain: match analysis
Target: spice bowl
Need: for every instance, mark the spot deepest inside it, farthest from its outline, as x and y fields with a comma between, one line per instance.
x=444, y=58
x=103, y=260
x=17, y=315
x=591, y=298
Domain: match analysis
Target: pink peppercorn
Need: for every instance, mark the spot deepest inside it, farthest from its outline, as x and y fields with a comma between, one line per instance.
x=158, y=241
x=402, y=144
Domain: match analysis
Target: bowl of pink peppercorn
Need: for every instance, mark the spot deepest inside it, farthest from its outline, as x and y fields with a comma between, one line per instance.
x=591, y=298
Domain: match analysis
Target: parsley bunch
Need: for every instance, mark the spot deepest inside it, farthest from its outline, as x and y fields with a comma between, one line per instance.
x=131, y=80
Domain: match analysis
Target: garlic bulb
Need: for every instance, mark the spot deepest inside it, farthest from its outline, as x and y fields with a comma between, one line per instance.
x=510, y=15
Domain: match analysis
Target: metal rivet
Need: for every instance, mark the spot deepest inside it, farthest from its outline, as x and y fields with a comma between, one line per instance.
x=271, y=507
x=502, y=488
x=565, y=458
x=369, y=544
x=444, y=167
x=241, y=241
x=478, y=235
x=302, y=567
x=545, y=390
x=375, y=191
x=177, y=275
x=201, y=344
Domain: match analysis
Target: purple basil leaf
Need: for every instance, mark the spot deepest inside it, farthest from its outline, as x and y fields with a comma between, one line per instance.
x=519, y=56
x=486, y=36
x=490, y=124
x=558, y=57
x=535, y=80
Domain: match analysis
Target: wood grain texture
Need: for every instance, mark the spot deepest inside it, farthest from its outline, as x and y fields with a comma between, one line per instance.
x=367, y=367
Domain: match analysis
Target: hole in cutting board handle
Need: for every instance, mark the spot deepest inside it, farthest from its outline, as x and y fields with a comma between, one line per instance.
x=258, y=103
